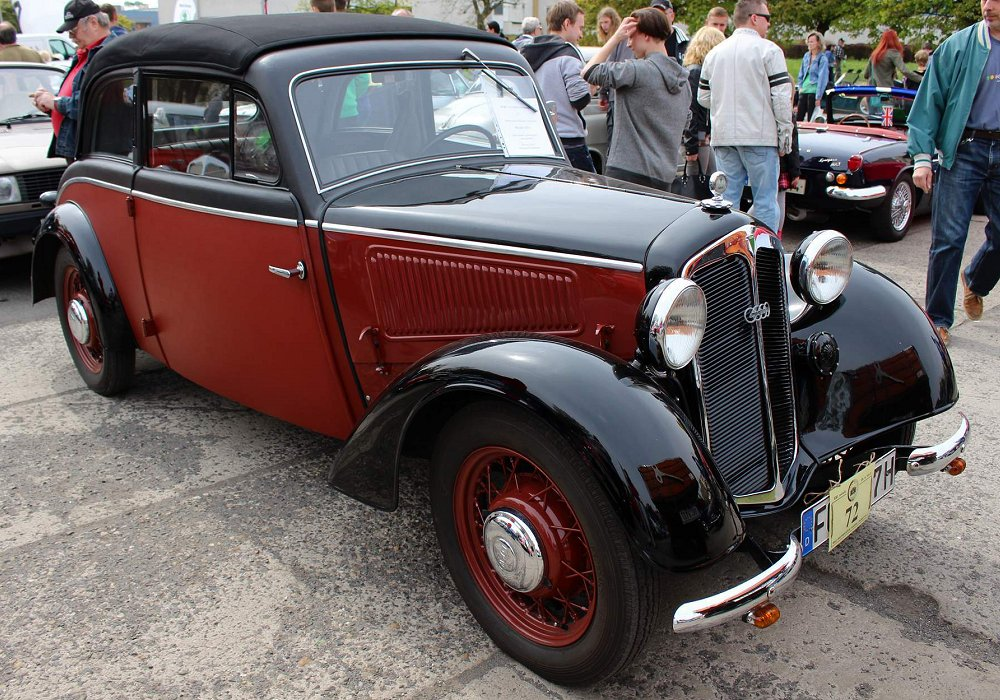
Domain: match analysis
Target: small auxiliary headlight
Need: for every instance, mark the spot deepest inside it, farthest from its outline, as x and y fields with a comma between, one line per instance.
x=821, y=267
x=677, y=322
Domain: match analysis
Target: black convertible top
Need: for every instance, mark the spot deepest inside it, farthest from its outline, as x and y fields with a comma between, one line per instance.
x=231, y=44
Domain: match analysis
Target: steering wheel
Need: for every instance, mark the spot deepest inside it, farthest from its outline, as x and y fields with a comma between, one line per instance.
x=457, y=130
x=853, y=117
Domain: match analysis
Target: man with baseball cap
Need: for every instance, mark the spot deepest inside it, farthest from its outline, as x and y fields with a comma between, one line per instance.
x=677, y=42
x=89, y=29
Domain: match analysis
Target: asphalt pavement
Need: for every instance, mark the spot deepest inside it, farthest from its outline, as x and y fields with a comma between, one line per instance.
x=171, y=543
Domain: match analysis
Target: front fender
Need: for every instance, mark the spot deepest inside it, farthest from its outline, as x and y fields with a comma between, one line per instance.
x=655, y=472
x=893, y=369
x=67, y=225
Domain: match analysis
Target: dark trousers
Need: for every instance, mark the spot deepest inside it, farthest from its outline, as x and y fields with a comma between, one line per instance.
x=807, y=103
x=636, y=178
x=976, y=167
x=578, y=154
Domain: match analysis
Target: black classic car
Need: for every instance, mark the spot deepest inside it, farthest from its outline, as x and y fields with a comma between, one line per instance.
x=366, y=226
x=26, y=171
x=856, y=161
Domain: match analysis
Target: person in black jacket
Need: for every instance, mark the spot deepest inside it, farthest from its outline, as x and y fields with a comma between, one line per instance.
x=696, y=137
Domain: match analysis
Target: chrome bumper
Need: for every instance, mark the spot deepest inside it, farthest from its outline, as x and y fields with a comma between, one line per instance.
x=742, y=598
x=856, y=194
x=928, y=460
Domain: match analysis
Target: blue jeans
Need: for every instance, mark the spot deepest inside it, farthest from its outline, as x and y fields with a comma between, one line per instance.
x=757, y=165
x=976, y=167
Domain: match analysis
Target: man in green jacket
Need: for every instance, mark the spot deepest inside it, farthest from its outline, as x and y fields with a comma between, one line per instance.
x=957, y=114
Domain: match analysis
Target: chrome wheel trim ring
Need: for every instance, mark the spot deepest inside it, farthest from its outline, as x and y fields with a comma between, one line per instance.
x=513, y=550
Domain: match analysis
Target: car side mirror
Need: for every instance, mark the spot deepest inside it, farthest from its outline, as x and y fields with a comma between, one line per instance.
x=49, y=197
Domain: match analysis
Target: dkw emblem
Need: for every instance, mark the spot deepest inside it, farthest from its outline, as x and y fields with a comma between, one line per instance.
x=757, y=313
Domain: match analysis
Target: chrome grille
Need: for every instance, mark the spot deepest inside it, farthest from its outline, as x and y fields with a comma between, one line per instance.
x=777, y=353
x=32, y=184
x=732, y=382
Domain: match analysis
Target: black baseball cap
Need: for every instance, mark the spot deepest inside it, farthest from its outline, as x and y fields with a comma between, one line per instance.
x=75, y=11
x=662, y=5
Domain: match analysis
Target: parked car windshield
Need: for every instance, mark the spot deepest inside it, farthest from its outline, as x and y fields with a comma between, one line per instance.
x=17, y=82
x=357, y=122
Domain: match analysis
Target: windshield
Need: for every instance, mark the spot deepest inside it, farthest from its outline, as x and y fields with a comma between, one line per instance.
x=358, y=122
x=17, y=83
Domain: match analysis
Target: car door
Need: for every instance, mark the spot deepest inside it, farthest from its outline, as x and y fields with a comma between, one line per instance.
x=224, y=258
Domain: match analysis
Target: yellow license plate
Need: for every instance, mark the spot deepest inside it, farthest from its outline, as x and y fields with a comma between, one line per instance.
x=850, y=503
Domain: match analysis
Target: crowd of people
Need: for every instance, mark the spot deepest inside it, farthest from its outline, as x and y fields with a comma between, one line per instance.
x=722, y=102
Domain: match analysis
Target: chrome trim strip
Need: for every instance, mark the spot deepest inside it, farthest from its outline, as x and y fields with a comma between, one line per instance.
x=928, y=460
x=742, y=598
x=333, y=70
x=98, y=183
x=534, y=253
x=280, y=221
x=857, y=194
x=244, y=216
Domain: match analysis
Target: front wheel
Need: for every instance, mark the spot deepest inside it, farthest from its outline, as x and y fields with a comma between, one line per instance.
x=892, y=219
x=535, y=549
x=107, y=371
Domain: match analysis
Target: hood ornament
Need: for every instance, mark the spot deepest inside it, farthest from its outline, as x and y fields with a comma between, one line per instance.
x=717, y=183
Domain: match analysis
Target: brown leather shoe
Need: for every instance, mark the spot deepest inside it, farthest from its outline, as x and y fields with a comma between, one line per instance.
x=972, y=302
x=943, y=335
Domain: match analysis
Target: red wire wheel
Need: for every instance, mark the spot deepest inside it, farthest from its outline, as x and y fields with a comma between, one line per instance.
x=76, y=299
x=559, y=610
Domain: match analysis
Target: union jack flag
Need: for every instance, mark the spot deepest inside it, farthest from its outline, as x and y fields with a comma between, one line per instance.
x=887, y=116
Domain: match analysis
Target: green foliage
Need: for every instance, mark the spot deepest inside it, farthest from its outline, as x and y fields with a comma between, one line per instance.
x=125, y=23
x=7, y=14
x=375, y=7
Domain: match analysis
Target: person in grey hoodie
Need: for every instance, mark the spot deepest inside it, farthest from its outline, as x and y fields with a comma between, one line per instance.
x=653, y=100
x=556, y=61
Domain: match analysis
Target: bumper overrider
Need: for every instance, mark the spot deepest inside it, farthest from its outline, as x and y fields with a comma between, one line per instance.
x=741, y=601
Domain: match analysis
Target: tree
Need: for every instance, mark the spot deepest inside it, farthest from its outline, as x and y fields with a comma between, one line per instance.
x=7, y=14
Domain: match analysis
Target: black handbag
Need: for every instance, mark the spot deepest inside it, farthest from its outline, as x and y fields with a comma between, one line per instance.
x=691, y=185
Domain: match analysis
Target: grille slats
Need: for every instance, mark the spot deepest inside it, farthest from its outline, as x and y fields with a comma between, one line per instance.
x=33, y=183
x=735, y=405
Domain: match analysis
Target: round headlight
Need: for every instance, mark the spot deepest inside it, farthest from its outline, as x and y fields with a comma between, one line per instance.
x=677, y=323
x=821, y=267
x=9, y=191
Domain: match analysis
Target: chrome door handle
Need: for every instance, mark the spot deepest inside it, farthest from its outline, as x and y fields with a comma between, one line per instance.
x=297, y=271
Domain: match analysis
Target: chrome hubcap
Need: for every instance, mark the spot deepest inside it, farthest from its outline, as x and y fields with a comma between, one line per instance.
x=901, y=204
x=513, y=550
x=79, y=324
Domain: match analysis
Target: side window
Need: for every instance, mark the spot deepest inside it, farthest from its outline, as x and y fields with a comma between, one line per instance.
x=188, y=126
x=60, y=49
x=254, y=155
x=114, y=124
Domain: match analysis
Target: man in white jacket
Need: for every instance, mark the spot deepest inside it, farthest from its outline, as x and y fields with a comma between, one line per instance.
x=745, y=85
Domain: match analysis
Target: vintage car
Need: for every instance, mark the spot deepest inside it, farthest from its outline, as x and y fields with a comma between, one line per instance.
x=26, y=171
x=609, y=382
x=857, y=161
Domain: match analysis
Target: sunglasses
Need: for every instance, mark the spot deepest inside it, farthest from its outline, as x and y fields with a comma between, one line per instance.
x=761, y=14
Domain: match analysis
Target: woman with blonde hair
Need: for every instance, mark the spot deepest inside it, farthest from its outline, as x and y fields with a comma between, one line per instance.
x=696, y=136
x=886, y=60
x=608, y=21
x=814, y=73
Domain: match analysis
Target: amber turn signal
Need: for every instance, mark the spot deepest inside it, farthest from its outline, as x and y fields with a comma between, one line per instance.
x=956, y=466
x=841, y=179
x=764, y=615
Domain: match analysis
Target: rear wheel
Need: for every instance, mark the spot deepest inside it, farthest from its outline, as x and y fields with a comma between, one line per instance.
x=104, y=370
x=535, y=549
x=892, y=219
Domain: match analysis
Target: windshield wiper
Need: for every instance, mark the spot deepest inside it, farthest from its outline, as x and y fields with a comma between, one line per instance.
x=21, y=118
x=466, y=53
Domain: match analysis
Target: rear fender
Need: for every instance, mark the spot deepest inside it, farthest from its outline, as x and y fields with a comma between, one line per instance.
x=644, y=453
x=68, y=226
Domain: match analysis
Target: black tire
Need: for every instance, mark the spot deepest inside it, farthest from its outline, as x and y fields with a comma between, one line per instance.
x=105, y=371
x=620, y=605
x=893, y=217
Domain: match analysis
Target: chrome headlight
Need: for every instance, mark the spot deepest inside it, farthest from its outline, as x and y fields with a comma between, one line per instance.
x=9, y=191
x=673, y=319
x=821, y=267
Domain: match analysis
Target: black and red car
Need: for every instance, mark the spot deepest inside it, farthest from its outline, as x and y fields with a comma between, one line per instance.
x=608, y=381
x=857, y=161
